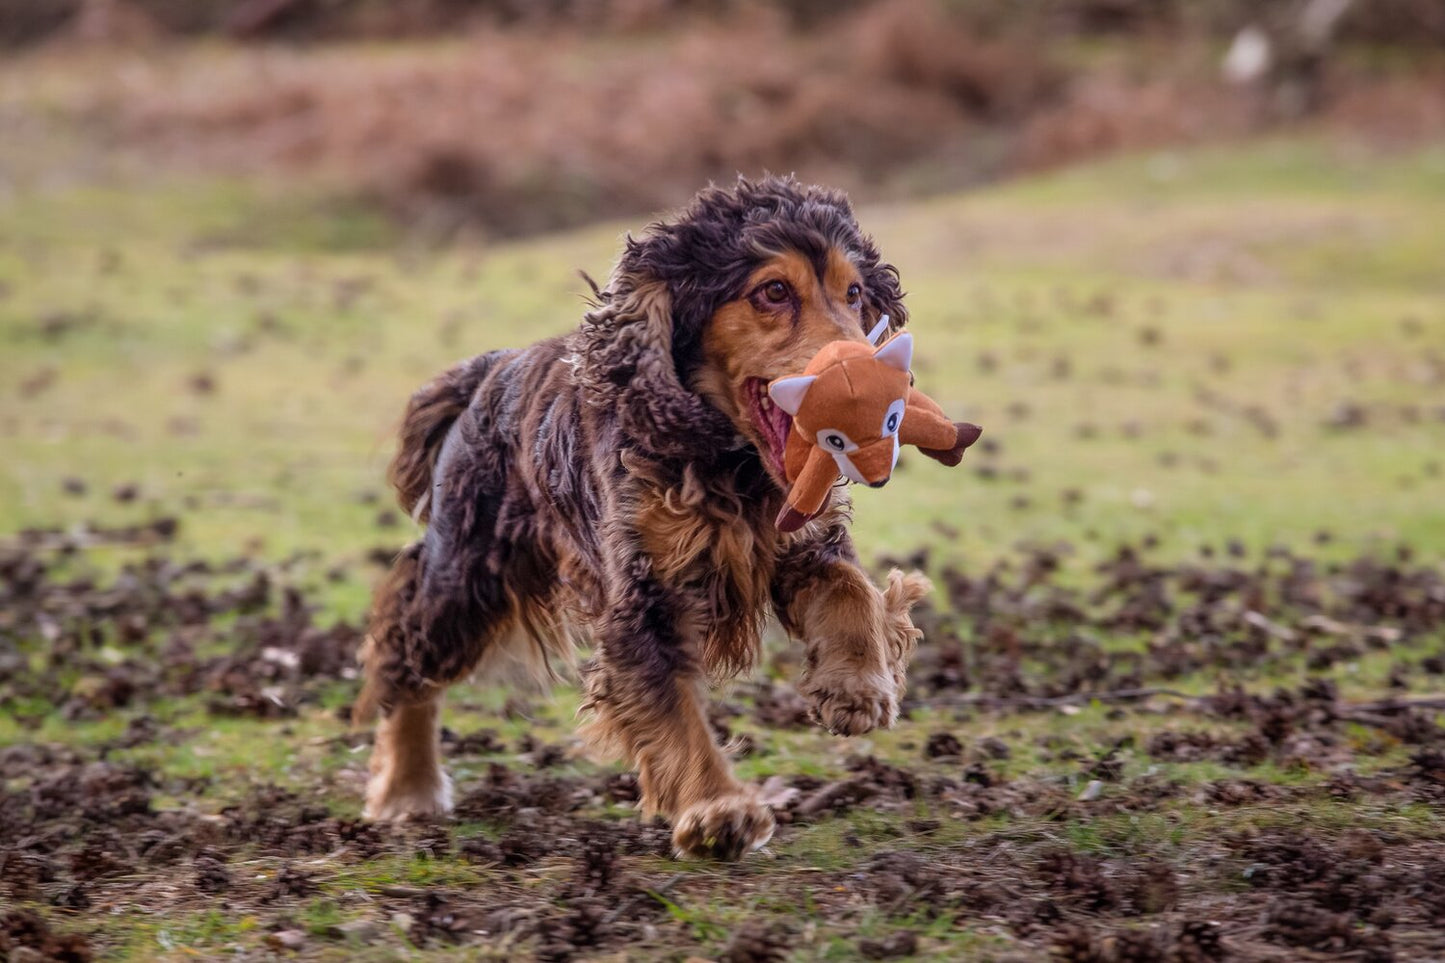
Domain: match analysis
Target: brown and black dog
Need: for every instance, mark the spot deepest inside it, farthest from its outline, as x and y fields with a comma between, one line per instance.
x=618, y=486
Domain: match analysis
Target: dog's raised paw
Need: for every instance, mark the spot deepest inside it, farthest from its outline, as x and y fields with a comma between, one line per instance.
x=723, y=828
x=852, y=710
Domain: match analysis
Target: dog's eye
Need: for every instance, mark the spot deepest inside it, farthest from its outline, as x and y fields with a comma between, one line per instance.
x=855, y=295
x=776, y=292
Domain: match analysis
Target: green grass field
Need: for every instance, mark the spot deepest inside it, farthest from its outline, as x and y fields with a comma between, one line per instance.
x=1231, y=345
x=1237, y=343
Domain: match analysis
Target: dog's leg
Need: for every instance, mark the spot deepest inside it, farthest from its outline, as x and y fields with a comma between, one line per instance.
x=427, y=629
x=417, y=645
x=663, y=730
x=858, y=639
x=407, y=780
x=437, y=614
x=648, y=700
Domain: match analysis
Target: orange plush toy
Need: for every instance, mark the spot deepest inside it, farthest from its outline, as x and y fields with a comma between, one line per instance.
x=852, y=407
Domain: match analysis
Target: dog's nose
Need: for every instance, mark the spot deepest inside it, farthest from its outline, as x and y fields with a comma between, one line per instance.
x=878, y=484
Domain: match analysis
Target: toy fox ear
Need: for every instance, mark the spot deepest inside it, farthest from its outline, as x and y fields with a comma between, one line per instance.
x=879, y=330
x=897, y=352
x=788, y=393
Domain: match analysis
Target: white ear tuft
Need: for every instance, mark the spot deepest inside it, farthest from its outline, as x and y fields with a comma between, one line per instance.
x=897, y=352
x=879, y=330
x=788, y=393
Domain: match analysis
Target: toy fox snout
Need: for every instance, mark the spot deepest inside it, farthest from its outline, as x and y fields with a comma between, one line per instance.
x=872, y=464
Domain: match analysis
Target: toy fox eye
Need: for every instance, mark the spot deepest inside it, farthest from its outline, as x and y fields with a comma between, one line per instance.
x=894, y=417
x=836, y=442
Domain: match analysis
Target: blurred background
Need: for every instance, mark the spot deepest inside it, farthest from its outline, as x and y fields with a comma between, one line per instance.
x=506, y=117
x=1182, y=259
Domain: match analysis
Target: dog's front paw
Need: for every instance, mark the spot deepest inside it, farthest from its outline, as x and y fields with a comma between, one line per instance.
x=851, y=706
x=723, y=828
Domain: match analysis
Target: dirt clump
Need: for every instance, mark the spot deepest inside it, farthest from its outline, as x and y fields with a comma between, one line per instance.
x=757, y=943
x=22, y=930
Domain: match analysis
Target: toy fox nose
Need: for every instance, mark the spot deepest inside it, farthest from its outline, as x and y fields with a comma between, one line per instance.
x=874, y=462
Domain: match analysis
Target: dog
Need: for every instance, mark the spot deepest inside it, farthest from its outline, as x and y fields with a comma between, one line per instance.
x=618, y=485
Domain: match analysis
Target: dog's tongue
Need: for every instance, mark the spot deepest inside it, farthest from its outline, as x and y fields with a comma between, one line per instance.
x=780, y=424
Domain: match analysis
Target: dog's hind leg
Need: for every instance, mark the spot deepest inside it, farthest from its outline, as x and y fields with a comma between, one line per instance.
x=405, y=677
x=444, y=605
x=407, y=780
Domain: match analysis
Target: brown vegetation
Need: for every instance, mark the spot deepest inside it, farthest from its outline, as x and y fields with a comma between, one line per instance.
x=1408, y=22
x=521, y=132
x=550, y=115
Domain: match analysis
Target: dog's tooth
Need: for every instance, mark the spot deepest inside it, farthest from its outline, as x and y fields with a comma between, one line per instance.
x=767, y=403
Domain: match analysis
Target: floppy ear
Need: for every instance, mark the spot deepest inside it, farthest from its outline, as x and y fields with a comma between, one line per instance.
x=896, y=352
x=624, y=350
x=789, y=392
x=882, y=291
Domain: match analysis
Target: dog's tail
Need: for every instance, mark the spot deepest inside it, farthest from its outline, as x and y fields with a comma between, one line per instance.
x=383, y=653
x=429, y=416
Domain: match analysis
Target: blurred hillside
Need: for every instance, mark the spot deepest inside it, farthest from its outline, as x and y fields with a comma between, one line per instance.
x=1409, y=22
x=504, y=118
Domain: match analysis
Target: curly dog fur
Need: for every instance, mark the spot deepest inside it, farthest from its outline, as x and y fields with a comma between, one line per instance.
x=619, y=484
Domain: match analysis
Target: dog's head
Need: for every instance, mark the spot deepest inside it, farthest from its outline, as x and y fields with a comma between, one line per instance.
x=704, y=309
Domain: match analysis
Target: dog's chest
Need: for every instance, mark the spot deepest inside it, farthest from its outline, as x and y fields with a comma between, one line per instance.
x=712, y=540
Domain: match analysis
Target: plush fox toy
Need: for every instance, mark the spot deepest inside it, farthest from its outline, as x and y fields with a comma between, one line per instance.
x=852, y=408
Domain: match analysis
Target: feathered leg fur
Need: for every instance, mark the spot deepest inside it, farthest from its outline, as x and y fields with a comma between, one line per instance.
x=858, y=639
x=647, y=695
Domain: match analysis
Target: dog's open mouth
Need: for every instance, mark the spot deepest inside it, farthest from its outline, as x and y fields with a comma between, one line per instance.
x=772, y=424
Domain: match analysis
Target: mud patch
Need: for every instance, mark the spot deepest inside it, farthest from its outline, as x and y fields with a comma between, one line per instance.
x=1076, y=839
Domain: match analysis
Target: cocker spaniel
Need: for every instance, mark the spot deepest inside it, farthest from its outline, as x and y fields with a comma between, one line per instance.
x=619, y=485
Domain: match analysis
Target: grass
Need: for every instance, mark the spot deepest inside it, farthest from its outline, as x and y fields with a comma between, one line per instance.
x=1119, y=344
x=1231, y=344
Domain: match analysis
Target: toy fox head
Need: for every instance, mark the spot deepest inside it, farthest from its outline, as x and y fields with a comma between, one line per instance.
x=850, y=402
x=851, y=409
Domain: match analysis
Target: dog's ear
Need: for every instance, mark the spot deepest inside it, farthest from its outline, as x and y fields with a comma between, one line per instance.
x=882, y=293
x=627, y=364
